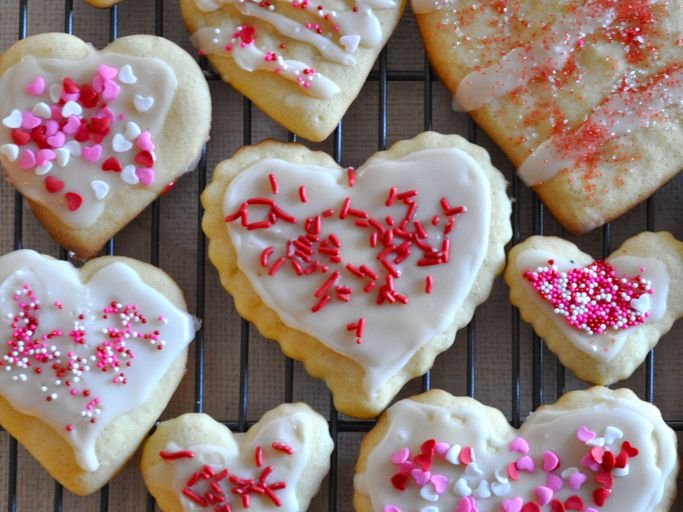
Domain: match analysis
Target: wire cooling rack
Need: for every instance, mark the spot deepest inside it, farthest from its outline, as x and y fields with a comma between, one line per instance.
x=496, y=358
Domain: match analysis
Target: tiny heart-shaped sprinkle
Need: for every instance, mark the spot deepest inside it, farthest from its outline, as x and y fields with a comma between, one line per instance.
x=597, y=441
x=574, y=503
x=441, y=449
x=466, y=455
x=621, y=461
x=36, y=87
x=145, y=159
x=29, y=121
x=526, y=463
x=440, y=483
x=73, y=201
x=483, y=490
x=55, y=92
x=20, y=137
x=13, y=120
x=513, y=472
x=421, y=477
x=600, y=496
x=63, y=156
x=126, y=75
x=427, y=493
x=43, y=168
x=107, y=72
x=42, y=110
x=423, y=461
x=70, y=87
x=584, y=434
x=589, y=462
x=27, y=160
x=45, y=155
x=53, y=185
x=428, y=448
x=557, y=506
x=629, y=449
x=101, y=188
x=400, y=481
x=576, y=480
x=550, y=461
x=73, y=147
x=473, y=471
x=519, y=444
x=111, y=90
x=51, y=127
x=129, y=175
x=605, y=479
x=613, y=433
x=461, y=488
x=91, y=153
x=543, y=495
x=57, y=140
x=10, y=151
x=143, y=103
x=112, y=164
x=597, y=454
x=430, y=509
x=391, y=508
x=608, y=461
x=71, y=108
x=641, y=304
x=500, y=488
x=132, y=131
x=100, y=125
x=531, y=507
x=73, y=124
x=120, y=144
x=453, y=454
x=89, y=97
x=513, y=505
x=465, y=505
x=350, y=42
x=400, y=456
x=144, y=142
x=554, y=482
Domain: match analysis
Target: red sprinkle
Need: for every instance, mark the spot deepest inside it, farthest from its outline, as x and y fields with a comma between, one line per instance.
x=273, y=183
x=183, y=454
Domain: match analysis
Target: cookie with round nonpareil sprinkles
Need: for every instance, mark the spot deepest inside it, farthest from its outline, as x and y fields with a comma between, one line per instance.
x=363, y=274
x=599, y=317
x=596, y=450
x=195, y=463
x=90, y=359
x=302, y=62
x=584, y=96
x=91, y=137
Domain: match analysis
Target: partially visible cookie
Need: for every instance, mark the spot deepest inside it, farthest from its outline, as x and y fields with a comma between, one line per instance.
x=92, y=137
x=91, y=357
x=596, y=450
x=303, y=63
x=599, y=317
x=102, y=4
x=583, y=95
x=195, y=463
x=364, y=275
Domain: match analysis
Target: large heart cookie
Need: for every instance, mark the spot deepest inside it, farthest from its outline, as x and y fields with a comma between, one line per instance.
x=599, y=317
x=91, y=138
x=583, y=95
x=195, y=463
x=91, y=358
x=301, y=62
x=593, y=451
x=364, y=275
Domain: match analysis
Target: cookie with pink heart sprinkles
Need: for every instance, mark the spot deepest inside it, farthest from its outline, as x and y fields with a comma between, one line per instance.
x=90, y=359
x=583, y=95
x=195, y=463
x=599, y=317
x=363, y=274
x=90, y=138
x=596, y=450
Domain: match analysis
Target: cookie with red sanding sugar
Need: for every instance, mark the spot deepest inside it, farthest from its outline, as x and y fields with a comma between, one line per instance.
x=600, y=318
x=91, y=137
x=583, y=95
x=90, y=359
x=195, y=463
x=596, y=450
x=363, y=274
x=302, y=62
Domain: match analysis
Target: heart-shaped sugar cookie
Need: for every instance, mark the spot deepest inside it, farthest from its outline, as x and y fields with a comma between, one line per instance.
x=364, y=275
x=91, y=357
x=91, y=138
x=195, y=463
x=582, y=95
x=599, y=317
x=301, y=62
x=596, y=450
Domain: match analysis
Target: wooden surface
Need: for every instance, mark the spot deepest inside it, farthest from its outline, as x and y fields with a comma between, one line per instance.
x=492, y=335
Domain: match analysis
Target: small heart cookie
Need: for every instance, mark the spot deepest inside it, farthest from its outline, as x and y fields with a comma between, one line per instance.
x=301, y=62
x=599, y=317
x=583, y=95
x=133, y=116
x=91, y=358
x=364, y=275
x=195, y=463
x=596, y=450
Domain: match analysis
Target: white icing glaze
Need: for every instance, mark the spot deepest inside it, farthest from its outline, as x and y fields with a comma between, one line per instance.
x=55, y=281
x=238, y=456
x=621, y=114
x=154, y=79
x=606, y=346
x=521, y=65
x=549, y=429
x=391, y=335
x=352, y=27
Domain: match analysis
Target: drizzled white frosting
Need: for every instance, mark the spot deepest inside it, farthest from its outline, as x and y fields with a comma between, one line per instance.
x=553, y=429
x=238, y=457
x=602, y=347
x=146, y=91
x=352, y=28
x=392, y=332
x=63, y=297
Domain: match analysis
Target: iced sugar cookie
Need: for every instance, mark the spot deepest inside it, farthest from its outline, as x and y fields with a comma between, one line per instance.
x=92, y=137
x=583, y=95
x=91, y=357
x=600, y=317
x=592, y=451
x=195, y=463
x=301, y=62
x=363, y=274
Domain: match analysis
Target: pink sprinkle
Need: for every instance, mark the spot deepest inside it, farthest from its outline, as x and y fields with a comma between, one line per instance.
x=576, y=480
x=107, y=72
x=526, y=463
x=91, y=153
x=441, y=449
x=440, y=483
x=584, y=434
x=72, y=125
x=51, y=127
x=513, y=505
x=391, y=508
x=543, y=495
x=550, y=461
x=400, y=456
x=29, y=121
x=111, y=90
x=144, y=142
x=57, y=140
x=421, y=477
x=145, y=175
x=45, y=155
x=36, y=87
x=27, y=160
x=554, y=482
x=467, y=504
x=520, y=445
